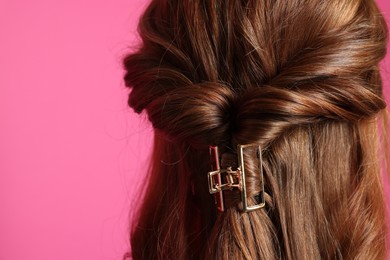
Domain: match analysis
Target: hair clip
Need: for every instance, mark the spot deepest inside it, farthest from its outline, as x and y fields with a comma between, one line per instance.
x=234, y=179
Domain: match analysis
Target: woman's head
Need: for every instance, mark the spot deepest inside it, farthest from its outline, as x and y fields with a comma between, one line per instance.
x=298, y=78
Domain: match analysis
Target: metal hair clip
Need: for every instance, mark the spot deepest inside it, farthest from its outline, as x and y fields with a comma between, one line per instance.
x=235, y=179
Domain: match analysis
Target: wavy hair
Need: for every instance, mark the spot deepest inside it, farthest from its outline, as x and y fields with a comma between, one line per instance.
x=299, y=78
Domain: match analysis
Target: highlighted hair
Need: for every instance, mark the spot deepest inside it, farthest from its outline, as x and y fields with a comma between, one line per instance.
x=301, y=78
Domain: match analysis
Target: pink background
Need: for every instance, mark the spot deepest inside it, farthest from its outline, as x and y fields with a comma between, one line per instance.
x=72, y=153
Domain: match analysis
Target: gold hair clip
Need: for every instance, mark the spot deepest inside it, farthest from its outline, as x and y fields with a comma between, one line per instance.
x=235, y=179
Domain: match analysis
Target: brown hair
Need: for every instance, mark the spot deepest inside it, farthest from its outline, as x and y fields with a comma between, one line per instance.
x=301, y=79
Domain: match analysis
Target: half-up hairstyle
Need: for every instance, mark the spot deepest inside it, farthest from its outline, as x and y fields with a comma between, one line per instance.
x=300, y=79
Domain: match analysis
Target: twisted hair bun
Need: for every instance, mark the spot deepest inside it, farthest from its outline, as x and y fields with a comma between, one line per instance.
x=211, y=113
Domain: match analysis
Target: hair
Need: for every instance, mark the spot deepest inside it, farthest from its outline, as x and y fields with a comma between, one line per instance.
x=299, y=78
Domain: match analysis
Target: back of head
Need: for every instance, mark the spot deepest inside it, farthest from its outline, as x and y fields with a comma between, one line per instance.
x=298, y=78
